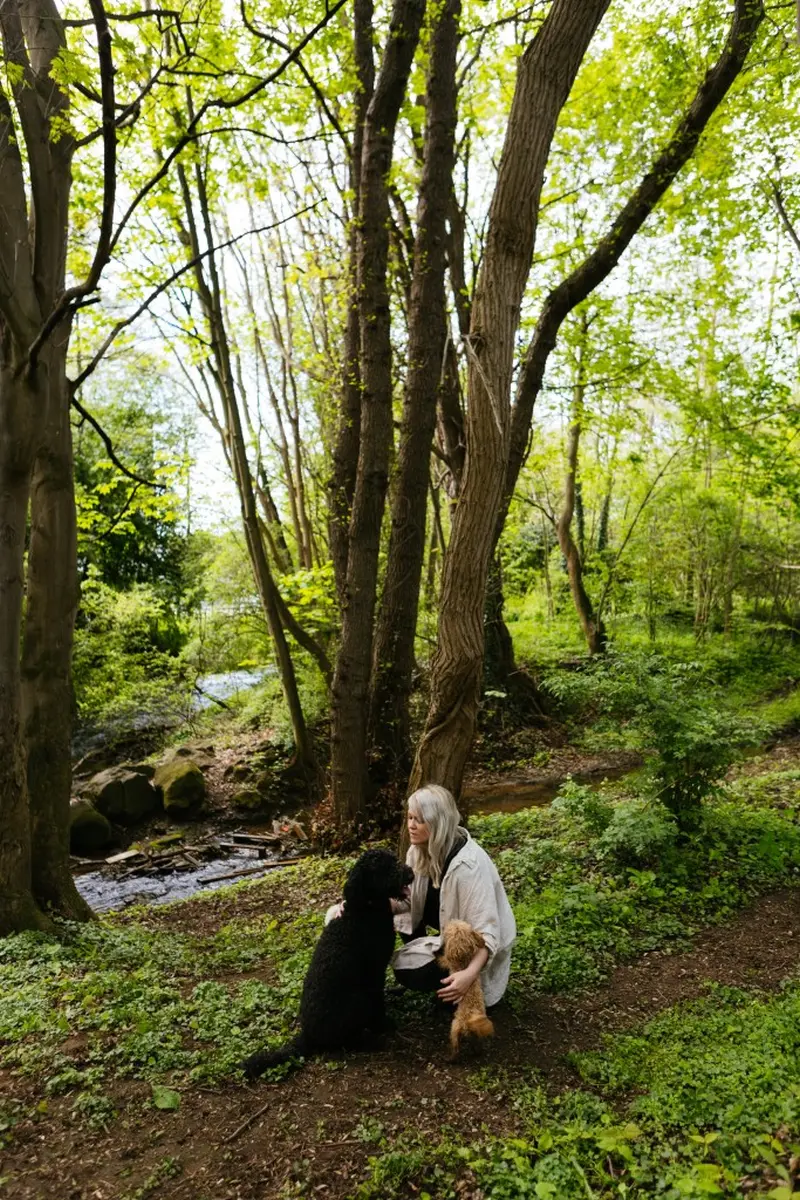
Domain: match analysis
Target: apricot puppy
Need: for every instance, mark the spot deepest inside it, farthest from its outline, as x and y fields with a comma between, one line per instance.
x=459, y=943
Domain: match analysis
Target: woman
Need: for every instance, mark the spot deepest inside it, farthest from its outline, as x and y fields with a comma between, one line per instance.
x=454, y=880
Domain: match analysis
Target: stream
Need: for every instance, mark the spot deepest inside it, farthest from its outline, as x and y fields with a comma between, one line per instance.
x=104, y=890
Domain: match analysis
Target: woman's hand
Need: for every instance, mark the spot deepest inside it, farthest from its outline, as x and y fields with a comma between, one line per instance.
x=456, y=986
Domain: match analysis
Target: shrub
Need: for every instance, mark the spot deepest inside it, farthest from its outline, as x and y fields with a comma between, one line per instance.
x=583, y=807
x=640, y=833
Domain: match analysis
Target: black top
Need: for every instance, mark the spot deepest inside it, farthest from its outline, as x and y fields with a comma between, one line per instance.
x=430, y=913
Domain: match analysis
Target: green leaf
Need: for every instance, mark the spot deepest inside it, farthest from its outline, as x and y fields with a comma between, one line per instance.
x=165, y=1098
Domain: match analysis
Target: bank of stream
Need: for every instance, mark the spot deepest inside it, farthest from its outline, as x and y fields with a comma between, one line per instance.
x=105, y=889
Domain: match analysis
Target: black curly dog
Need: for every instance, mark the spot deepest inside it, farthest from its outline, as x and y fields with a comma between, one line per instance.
x=343, y=1000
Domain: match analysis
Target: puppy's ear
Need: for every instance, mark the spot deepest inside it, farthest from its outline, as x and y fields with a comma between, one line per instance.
x=477, y=939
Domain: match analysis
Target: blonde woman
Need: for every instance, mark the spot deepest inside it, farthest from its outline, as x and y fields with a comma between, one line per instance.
x=454, y=880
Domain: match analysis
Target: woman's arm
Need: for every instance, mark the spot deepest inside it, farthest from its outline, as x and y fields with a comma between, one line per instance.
x=456, y=986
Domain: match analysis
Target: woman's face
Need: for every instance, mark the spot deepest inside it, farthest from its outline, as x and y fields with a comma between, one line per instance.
x=418, y=831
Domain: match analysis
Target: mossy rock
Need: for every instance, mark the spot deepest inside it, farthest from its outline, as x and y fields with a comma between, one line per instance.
x=89, y=831
x=123, y=794
x=248, y=800
x=183, y=786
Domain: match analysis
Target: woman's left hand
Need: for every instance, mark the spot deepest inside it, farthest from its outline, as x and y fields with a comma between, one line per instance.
x=455, y=987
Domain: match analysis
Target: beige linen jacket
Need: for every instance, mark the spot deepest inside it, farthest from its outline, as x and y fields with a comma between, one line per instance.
x=471, y=891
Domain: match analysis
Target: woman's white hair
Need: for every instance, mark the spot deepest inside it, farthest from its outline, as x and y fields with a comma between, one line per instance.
x=435, y=806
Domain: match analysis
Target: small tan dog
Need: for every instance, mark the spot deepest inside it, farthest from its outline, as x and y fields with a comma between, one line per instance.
x=459, y=943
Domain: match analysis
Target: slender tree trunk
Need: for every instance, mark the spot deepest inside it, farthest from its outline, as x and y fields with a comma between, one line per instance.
x=546, y=73
x=591, y=624
x=211, y=301
x=342, y=483
x=354, y=660
x=18, y=908
x=427, y=318
x=52, y=600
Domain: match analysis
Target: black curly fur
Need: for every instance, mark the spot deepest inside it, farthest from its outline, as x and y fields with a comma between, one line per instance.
x=343, y=997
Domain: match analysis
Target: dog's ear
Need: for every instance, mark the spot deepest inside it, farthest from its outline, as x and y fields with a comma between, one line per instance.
x=366, y=882
x=478, y=940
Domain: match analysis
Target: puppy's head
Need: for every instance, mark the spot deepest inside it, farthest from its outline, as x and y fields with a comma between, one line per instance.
x=460, y=941
x=377, y=878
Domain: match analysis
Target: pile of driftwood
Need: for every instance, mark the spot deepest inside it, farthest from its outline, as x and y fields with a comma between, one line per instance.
x=171, y=853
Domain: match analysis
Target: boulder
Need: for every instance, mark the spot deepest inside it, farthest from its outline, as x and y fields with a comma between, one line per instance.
x=123, y=794
x=183, y=786
x=248, y=800
x=89, y=830
x=201, y=756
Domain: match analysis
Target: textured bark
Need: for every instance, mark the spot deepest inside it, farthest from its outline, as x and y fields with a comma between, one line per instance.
x=52, y=599
x=17, y=906
x=352, y=673
x=427, y=320
x=546, y=73
x=342, y=484
x=33, y=247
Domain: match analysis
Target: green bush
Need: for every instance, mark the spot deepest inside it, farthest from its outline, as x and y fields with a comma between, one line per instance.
x=639, y=833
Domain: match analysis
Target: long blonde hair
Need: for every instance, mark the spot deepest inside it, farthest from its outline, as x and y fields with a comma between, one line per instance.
x=435, y=806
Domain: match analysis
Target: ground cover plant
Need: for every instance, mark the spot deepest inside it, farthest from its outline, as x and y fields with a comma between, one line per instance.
x=143, y=1012
x=702, y=1101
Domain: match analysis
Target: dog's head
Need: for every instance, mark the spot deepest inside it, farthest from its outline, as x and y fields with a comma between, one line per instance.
x=460, y=941
x=377, y=878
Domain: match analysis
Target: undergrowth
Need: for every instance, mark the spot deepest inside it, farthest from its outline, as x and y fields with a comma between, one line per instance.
x=703, y=1101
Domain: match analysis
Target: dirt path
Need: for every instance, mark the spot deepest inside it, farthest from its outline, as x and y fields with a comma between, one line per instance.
x=311, y=1135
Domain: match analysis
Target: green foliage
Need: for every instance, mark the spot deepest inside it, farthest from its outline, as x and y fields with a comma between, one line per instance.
x=700, y=1100
x=586, y=896
x=677, y=710
x=641, y=833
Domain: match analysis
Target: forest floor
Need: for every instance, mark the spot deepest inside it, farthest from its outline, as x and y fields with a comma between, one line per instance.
x=324, y=1129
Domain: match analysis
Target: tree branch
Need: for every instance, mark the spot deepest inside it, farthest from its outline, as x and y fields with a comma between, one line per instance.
x=106, y=440
x=162, y=287
x=748, y=15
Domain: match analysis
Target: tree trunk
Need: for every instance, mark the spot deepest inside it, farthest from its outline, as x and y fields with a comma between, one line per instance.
x=210, y=294
x=591, y=624
x=18, y=908
x=546, y=73
x=354, y=660
x=393, y=664
x=342, y=483
x=52, y=599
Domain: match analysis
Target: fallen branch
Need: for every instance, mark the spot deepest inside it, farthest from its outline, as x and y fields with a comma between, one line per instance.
x=246, y=1125
x=281, y=862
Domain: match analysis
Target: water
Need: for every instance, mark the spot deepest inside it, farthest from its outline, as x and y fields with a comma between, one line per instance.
x=136, y=728
x=226, y=684
x=104, y=892
x=514, y=796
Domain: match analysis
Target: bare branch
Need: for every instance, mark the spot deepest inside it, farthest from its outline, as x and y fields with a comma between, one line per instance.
x=162, y=287
x=106, y=440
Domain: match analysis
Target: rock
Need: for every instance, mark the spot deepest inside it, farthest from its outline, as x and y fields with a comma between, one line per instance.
x=124, y=794
x=201, y=756
x=248, y=800
x=183, y=786
x=238, y=770
x=265, y=782
x=89, y=830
